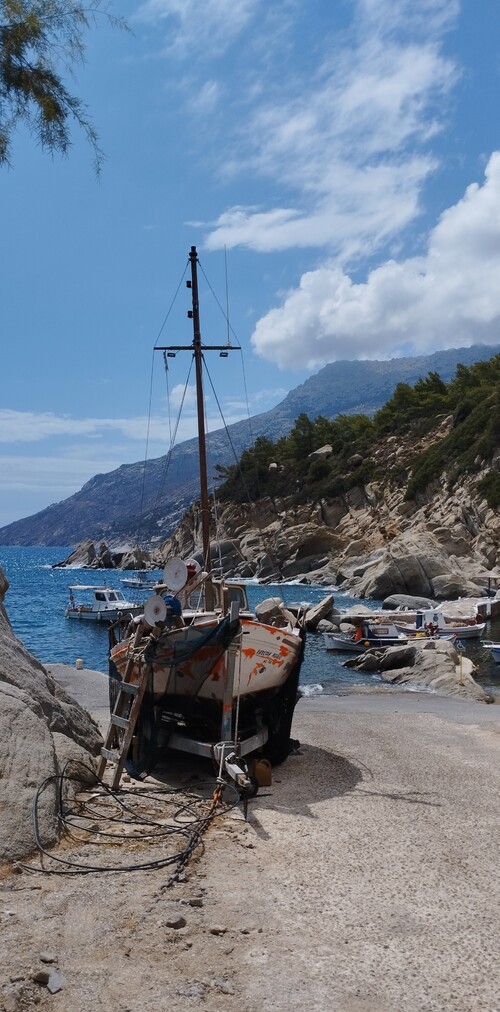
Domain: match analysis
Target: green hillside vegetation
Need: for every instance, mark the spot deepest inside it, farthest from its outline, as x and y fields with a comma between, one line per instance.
x=471, y=400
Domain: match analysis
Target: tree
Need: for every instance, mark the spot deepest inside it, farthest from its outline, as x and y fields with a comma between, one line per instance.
x=36, y=38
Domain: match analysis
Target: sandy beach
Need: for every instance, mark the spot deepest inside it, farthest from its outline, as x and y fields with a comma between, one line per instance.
x=364, y=880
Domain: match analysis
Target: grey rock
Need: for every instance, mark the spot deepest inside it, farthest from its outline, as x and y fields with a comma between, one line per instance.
x=56, y=982
x=432, y=664
x=176, y=922
x=407, y=602
x=397, y=657
x=83, y=556
x=40, y=725
x=318, y=612
x=452, y=586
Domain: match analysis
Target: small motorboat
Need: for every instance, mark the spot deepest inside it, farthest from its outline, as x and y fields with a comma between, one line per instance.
x=434, y=624
x=99, y=604
x=140, y=582
x=368, y=636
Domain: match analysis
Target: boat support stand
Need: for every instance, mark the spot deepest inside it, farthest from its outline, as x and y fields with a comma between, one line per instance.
x=228, y=755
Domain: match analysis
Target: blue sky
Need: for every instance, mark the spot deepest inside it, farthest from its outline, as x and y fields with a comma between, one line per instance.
x=342, y=158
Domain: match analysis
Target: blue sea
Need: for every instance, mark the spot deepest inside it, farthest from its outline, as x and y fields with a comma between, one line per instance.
x=38, y=595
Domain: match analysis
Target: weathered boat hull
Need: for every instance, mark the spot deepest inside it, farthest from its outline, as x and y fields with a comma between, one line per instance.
x=264, y=658
x=187, y=696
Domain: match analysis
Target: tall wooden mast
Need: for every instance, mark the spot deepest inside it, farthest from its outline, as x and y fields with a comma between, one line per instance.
x=200, y=407
x=197, y=350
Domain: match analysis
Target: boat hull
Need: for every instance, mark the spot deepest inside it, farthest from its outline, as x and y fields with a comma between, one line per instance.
x=103, y=615
x=461, y=632
x=264, y=659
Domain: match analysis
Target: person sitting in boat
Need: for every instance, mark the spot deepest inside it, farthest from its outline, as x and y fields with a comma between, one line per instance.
x=174, y=611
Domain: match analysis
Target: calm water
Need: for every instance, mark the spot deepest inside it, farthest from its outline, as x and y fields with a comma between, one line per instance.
x=38, y=595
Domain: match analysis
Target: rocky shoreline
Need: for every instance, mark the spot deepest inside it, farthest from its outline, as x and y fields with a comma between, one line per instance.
x=370, y=542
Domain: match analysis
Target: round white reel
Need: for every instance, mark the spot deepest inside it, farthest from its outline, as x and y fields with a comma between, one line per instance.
x=175, y=574
x=155, y=610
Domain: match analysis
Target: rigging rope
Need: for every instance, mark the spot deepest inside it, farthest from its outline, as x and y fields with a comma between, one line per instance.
x=168, y=458
x=144, y=466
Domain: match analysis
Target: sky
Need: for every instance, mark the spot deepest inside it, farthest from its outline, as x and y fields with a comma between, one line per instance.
x=336, y=164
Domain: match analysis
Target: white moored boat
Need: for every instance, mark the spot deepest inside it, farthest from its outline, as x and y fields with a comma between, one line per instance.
x=99, y=604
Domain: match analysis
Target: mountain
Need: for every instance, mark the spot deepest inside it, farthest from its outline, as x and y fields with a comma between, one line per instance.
x=144, y=502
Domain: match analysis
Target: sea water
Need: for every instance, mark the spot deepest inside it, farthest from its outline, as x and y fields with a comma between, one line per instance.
x=38, y=595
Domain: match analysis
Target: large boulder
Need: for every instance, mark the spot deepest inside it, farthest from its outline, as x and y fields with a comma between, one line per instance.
x=415, y=563
x=89, y=556
x=132, y=558
x=81, y=557
x=429, y=664
x=41, y=726
x=319, y=611
x=454, y=585
x=407, y=602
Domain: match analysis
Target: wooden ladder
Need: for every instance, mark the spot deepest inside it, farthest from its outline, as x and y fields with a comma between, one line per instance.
x=118, y=720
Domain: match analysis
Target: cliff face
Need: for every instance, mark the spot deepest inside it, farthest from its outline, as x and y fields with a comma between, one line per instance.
x=370, y=540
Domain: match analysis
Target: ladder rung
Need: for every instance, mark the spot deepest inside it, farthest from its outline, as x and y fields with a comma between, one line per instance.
x=130, y=687
x=111, y=755
x=119, y=721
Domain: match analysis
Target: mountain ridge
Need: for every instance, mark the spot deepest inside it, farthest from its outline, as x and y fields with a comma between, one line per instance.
x=108, y=506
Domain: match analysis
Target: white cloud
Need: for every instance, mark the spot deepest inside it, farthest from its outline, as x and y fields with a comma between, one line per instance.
x=28, y=426
x=88, y=439
x=183, y=395
x=193, y=24
x=450, y=297
x=207, y=98
x=351, y=142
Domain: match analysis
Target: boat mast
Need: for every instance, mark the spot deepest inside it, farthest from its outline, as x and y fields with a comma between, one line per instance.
x=197, y=349
x=200, y=406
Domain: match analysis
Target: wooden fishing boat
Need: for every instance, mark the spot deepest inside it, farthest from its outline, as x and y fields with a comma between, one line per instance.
x=216, y=674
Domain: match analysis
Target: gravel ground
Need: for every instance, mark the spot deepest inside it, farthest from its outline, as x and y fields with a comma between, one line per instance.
x=365, y=880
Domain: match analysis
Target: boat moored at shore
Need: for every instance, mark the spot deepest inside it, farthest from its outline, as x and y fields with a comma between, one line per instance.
x=99, y=604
